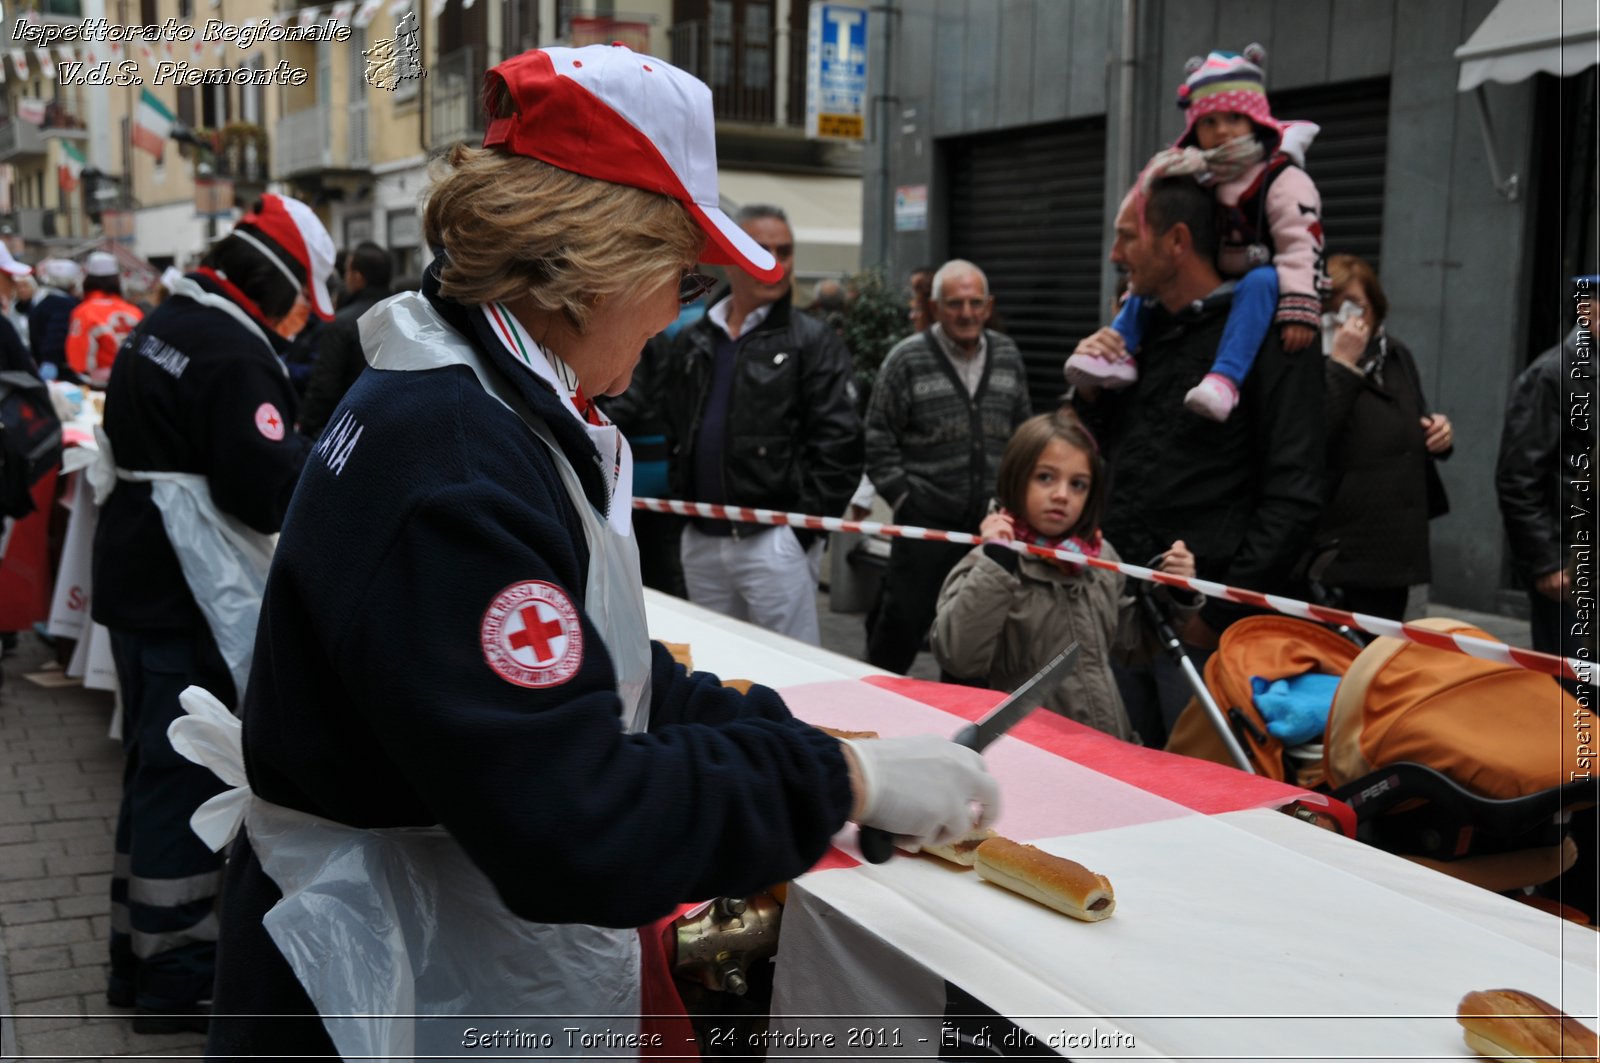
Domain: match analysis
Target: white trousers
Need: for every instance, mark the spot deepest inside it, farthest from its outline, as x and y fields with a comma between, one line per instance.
x=767, y=579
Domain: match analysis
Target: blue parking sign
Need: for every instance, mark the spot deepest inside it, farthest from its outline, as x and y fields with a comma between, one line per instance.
x=836, y=73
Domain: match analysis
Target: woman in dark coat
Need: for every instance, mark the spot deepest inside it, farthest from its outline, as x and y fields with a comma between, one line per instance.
x=1382, y=443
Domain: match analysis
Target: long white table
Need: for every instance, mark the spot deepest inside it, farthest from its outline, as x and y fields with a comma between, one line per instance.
x=1246, y=935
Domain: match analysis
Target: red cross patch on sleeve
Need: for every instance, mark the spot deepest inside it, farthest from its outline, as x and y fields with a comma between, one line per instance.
x=531, y=635
x=269, y=422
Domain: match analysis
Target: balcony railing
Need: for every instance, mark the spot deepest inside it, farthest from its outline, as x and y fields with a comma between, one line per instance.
x=40, y=223
x=19, y=138
x=301, y=143
x=455, y=107
x=240, y=153
x=60, y=121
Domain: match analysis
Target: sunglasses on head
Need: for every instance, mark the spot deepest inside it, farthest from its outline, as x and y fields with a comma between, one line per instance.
x=693, y=285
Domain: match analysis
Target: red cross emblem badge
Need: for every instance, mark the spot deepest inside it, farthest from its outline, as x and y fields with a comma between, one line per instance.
x=531, y=635
x=269, y=422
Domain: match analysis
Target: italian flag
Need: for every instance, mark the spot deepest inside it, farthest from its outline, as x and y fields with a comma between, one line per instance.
x=151, y=124
x=71, y=167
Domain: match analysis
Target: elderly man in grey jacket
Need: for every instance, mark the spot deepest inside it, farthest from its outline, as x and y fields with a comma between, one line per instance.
x=943, y=408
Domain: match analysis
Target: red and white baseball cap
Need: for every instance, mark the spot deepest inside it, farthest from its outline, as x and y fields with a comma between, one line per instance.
x=11, y=265
x=606, y=112
x=294, y=227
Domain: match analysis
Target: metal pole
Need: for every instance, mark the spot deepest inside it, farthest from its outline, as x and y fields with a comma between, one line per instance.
x=1213, y=710
x=1174, y=647
x=1507, y=187
x=1129, y=61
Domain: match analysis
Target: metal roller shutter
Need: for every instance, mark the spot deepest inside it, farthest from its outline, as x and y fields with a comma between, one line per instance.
x=1346, y=160
x=1025, y=205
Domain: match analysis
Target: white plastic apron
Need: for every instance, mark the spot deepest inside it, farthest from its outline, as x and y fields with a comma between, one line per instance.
x=384, y=926
x=224, y=561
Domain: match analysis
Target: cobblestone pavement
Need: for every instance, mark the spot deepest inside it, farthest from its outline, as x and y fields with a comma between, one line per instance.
x=60, y=781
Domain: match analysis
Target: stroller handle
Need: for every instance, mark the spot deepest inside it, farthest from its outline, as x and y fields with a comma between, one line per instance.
x=1173, y=646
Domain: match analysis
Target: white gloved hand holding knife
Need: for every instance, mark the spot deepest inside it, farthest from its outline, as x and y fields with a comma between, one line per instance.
x=924, y=790
x=921, y=788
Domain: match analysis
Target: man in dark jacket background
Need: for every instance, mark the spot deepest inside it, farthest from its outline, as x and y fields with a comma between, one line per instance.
x=760, y=407
x=1244, y=494
x=1543, y=447
x=339, y=359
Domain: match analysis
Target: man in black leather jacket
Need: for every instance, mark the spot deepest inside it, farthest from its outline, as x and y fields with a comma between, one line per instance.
x=760, y=409
x=1546, y=446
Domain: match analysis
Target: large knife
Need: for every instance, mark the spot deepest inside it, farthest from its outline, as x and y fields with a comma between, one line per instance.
x=877, y=845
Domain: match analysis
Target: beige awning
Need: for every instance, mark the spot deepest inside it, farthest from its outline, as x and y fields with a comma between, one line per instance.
x=824, y=212
x=1521, y=38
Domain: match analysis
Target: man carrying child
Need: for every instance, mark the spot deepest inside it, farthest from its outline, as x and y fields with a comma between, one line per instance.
x=1243, y=493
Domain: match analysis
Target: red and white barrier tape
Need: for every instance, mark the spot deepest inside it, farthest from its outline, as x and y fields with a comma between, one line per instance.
x=1499, y=652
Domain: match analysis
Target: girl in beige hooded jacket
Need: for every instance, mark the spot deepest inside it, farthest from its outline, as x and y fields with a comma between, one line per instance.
x=1002, y=614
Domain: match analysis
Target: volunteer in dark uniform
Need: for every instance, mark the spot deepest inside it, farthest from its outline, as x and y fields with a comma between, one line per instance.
x=468, y=760
x=199, y=461
x=50, y=315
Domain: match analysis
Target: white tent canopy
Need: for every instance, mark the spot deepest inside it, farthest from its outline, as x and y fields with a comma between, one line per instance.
x=1521, y=38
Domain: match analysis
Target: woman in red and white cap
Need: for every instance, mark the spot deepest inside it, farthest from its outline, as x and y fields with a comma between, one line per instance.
x=473, y=771
x=196, y=467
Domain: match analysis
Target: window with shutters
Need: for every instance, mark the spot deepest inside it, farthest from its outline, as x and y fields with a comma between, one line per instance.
x=519, y=25
x=731, y=46
x=216, y=106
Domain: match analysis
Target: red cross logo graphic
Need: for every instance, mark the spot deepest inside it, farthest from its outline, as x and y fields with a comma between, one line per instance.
x=547, y=628
x=269, y=422
x=536, y=634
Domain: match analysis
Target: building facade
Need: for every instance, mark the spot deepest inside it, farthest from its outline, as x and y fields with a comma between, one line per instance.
x=1014, y=128
x=356, y=144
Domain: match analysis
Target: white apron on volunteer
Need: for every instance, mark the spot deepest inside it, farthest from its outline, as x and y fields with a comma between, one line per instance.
x=224, y=561
x=383, y=927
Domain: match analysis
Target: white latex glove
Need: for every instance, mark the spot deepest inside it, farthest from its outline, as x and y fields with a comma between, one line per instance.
x=923, y=787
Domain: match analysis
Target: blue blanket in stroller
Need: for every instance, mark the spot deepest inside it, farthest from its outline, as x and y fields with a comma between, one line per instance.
x=1296, y=709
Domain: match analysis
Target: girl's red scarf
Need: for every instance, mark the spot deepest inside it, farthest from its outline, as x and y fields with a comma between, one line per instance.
x=1088, y=547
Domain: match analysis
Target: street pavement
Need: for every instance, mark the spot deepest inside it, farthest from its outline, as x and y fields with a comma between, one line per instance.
x=60, y=782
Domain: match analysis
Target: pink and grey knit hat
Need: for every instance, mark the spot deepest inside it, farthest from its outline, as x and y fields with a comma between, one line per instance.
x=1226, y=81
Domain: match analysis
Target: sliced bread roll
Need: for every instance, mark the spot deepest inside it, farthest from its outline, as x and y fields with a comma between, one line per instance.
x=1054, y=881
x=963, y=851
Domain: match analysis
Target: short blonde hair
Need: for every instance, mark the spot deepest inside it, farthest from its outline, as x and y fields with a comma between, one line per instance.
x=1345, y=270
x=514, y=226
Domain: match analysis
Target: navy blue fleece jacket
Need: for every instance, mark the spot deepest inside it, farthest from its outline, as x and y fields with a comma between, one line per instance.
x=373, y=701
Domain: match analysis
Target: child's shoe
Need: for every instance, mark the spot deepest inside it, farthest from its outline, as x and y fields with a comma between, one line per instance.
x=1086, y=370
x=1213, y=398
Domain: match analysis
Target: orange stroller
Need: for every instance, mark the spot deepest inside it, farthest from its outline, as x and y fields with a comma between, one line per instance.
x=1459, y=763
x=1468, y=766
x=1269, y=647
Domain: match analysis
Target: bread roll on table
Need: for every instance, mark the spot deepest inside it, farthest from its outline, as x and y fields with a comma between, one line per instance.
x=1062, y=884
x=1512, y=1025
